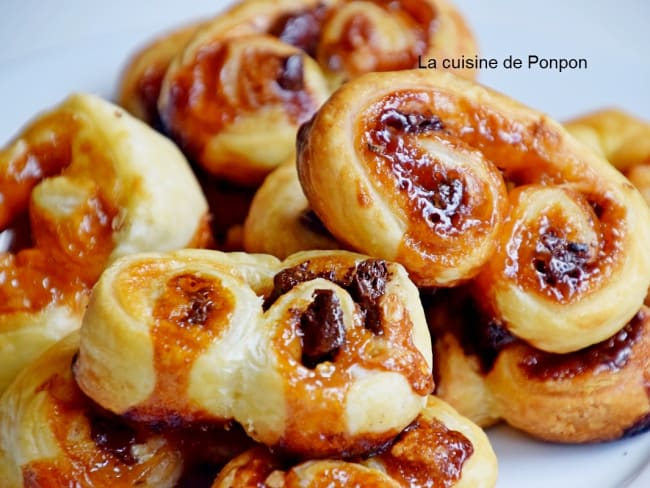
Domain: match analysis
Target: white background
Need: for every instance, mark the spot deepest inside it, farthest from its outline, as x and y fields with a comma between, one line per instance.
x=51, y=48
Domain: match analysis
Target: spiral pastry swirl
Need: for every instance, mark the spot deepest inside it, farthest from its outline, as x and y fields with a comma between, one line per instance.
x=326, y=353
x=142, y=77
x=52, y=435
x=440, y=448
x=81, y=186
x=595, y=394
x=235, y=96
x=421, y=162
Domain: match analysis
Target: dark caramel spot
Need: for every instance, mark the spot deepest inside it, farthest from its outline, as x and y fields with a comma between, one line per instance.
x=323, y=331
x=560, y=262
x=427, y=453
x=114, y=437
x=301, y=30
x=410, y=123
x=612, y=354
x=367, y=287
x=291, y=76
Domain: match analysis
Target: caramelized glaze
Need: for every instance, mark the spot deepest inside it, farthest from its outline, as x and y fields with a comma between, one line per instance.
x=200, y=105
x=58, y=261
x=191, y=313
x=428, y=455
x=608, y=356
x=441, y=202
x=96, y=446
x=327, y=383
x=359, y=35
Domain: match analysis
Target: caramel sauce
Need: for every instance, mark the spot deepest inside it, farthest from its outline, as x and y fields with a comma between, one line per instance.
x=441, y=203
x=428, y=454
x=96, y=447
x=200, y=106
x=54, y=262
x=326, y=384
x=189, y=315
x=610, y=355
x=359, y=32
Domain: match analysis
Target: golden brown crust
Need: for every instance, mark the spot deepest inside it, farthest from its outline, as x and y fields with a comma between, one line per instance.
x=280, y=221
x=139, y=86
x=440, y=448
x=566, y=247
x=596, y=394
x=52, y=435
x=81, y=186
x=202, y=335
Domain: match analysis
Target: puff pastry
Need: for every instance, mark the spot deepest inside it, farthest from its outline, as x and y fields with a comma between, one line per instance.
x=594, y=394
x=280, y=221
x=440, y=448
x=326, y=353
x=51, y=435
x=234, y=98
x=420, y=162
x=139, y=86
x=81, y=186
x=622, y=138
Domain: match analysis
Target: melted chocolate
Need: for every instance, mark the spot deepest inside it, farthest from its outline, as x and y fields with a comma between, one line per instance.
x=366, y=283
x=323, y=331
x=367, y=287
x=291, y=76
x=609, y=355
x=301, y=30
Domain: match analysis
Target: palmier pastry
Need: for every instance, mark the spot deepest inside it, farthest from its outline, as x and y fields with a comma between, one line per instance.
x=359, y=37
x=324, y=354
x=141, y=80
x=51, y=435
x=234, y=99
x=420, y=162
x=622, y=138
x=440, y=448
x=81, y=186
x=594, y=394
x=280, y=221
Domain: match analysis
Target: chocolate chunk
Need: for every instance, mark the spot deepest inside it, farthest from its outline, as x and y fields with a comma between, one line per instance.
x=291, y=77
x=415, y=123
x=285, y=280
x=323, y=331
x=367, y=287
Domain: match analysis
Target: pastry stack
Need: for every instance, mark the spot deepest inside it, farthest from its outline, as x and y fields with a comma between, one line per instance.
x=309, y=264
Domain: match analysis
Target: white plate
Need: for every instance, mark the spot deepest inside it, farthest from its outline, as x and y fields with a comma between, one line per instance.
x=46, y=52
